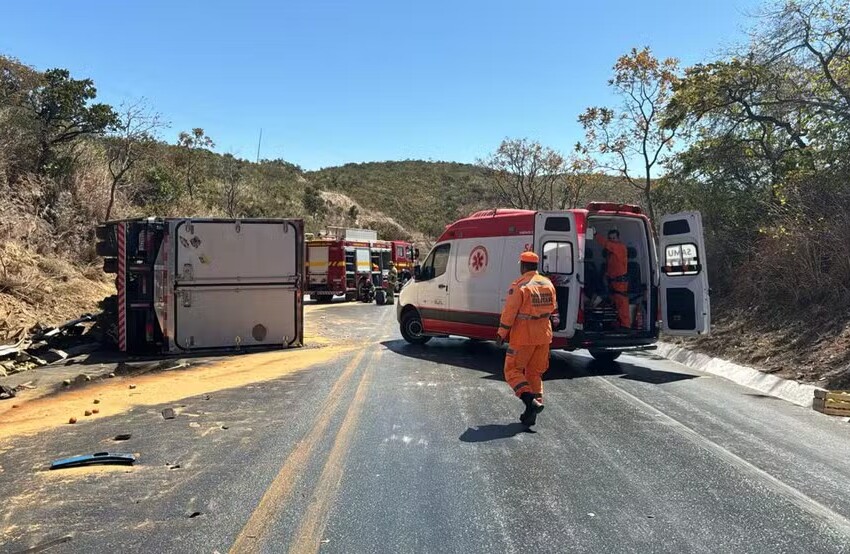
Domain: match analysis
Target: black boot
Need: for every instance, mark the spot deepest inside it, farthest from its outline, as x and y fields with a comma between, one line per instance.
x=532, y=408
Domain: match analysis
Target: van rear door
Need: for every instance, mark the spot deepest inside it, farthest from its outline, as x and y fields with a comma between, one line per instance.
x=556, y=242
x=685, y=303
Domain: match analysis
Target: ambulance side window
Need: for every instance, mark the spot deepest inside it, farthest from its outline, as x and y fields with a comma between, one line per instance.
x=557, y=258
x=436, y=263
x=682, y=259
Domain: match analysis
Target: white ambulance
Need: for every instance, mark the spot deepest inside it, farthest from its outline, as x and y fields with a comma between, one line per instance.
x=461, y=286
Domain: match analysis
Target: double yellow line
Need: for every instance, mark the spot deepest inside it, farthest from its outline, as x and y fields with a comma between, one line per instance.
x=309, y=534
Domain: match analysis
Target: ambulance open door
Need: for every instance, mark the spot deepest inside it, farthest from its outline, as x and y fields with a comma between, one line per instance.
x=685, y=302
x=556, y=242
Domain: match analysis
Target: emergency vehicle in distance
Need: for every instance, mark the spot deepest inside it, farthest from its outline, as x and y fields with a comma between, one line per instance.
x=343, y=260
x=461, y=286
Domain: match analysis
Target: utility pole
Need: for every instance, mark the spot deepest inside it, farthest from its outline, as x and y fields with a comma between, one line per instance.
x=259, y=142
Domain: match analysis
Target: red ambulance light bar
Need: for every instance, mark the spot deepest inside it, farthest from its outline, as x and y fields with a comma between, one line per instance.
x=613, y=207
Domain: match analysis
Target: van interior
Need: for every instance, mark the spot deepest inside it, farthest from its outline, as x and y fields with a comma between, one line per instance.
x=600, y=311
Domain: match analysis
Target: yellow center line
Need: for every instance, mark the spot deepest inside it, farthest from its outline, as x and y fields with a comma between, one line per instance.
x=252, y=534
x=309, y=535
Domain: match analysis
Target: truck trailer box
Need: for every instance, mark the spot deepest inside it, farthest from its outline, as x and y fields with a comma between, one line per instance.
x=206, y=284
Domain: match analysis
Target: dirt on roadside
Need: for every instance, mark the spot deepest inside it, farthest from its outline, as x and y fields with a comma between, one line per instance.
x=813, y=349
x=45, y=289
x=329, y=334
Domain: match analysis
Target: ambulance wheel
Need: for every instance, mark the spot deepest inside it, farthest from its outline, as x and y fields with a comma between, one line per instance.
x=411, y=329
x=349, y=296
x=606, y=356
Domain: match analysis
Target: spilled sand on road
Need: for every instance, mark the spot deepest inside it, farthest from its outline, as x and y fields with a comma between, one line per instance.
x=116, y=397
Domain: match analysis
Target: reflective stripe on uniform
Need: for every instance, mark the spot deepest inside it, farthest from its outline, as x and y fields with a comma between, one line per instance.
x=519, y=386
x=506, y=327
x=531, y=317
x=510, y=352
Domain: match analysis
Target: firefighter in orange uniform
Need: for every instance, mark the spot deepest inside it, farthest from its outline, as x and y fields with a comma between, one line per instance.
x=526, y=320
x=617, y=274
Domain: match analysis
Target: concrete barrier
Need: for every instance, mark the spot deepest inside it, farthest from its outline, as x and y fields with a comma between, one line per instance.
x=771, y=385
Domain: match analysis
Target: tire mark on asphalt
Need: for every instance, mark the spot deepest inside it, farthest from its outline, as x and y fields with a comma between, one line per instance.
x=251, y=536
x=309, y=534
x=835, y=520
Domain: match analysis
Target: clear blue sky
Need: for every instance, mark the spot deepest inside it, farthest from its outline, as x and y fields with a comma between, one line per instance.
x=336, y=82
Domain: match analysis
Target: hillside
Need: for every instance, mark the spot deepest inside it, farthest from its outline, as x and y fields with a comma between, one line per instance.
x=424, y=196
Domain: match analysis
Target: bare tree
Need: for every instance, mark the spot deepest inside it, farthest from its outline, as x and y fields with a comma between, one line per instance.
x=131, y=140
x=232, y=184
x=580, y=178
x=526, y=174
x=635, y=135
x=810, y=41
x=192, y=142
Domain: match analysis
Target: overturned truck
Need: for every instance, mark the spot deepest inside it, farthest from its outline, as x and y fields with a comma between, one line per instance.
x=189, y=285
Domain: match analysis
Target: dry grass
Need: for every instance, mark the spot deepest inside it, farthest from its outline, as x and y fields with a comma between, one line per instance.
x=44, y=289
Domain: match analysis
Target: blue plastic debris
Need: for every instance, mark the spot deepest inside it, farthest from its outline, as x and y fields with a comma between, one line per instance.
x=96, y=458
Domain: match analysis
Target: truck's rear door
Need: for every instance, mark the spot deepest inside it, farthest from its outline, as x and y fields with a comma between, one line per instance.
x=317, y=264
x=685, y=302
x=237, y=283
x=556, y=242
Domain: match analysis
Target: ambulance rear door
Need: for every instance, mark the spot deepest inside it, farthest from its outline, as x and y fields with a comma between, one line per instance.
x=556, y=242
x=685, y=302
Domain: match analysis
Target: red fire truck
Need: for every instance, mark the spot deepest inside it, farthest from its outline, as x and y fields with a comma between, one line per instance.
x=403, y=255
x=337, y=267
x=343, y=261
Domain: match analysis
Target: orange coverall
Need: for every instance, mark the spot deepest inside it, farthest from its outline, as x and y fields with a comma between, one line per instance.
x=617, y=273
x=525, y=317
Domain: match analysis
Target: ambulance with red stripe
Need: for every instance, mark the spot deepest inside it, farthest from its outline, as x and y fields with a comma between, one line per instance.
x=461, y=287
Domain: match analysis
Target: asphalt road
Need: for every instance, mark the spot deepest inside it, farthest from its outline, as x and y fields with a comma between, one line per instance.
x=395, y=448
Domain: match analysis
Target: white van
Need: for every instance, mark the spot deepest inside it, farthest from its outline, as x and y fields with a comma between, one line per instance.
x=461, y=286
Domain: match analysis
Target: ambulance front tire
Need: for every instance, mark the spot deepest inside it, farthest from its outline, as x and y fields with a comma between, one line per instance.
x=411, y=328
x=605, y=356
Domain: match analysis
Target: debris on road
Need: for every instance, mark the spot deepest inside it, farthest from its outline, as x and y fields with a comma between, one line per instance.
x=82, y=378
x=87, y=413
x=39, y=345
x=72, y=420
x=96, y=458
x=6, y=392
x=132, y=386
x=122, y=437
x=835, y=403
x=168, y=413
x=96, y=401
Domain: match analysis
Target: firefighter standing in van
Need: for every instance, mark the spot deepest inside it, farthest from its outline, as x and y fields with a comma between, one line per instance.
x=526, y=318
x=617, y=274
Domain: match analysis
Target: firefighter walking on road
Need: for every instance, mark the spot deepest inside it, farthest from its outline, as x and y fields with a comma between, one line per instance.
x=526, y=324
x=392, y=282
x=617, y=275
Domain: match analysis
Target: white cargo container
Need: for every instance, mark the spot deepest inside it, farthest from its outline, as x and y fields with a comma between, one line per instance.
x=208, y=284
